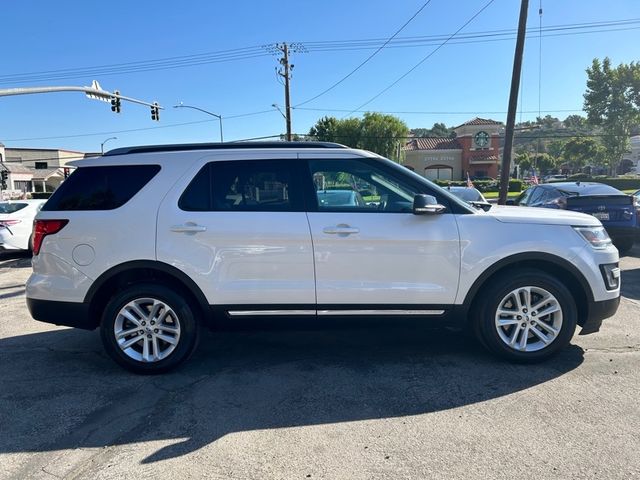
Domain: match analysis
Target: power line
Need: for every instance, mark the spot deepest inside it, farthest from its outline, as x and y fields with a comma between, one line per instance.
x=440, y=112
x=171, y=125
x=427, y=57
x=368, y=58
x=320, y=46
x=431, y=39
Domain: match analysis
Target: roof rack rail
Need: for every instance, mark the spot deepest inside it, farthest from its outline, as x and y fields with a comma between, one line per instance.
x=219, y=146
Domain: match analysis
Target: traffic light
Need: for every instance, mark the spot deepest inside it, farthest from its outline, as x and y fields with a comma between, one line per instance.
x=115, y=102
x=3, y=176
x=155, y=112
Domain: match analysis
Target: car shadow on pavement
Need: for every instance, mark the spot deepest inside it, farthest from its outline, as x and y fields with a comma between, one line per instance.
x=60, y=391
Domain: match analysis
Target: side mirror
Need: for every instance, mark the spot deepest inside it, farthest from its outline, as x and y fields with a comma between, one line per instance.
x=426, y=205
x=510, y=202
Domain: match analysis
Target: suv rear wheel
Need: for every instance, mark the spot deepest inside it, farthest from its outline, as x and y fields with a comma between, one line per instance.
x=149, y=328
x=526, y=316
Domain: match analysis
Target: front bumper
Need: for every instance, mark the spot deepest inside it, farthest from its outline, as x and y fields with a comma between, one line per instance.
x=597, y=312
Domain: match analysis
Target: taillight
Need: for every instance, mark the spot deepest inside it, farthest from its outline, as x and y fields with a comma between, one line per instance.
x=42, y=228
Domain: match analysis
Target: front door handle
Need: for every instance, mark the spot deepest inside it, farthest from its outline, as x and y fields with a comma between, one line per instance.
x=341, y=229
x=189, y=227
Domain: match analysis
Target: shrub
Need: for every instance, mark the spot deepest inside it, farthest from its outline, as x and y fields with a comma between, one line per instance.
x=41, y=195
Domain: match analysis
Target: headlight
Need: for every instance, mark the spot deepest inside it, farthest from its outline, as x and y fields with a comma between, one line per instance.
x=596, y=236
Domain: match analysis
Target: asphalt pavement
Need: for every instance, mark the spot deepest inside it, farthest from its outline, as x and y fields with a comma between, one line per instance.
x=341, y=403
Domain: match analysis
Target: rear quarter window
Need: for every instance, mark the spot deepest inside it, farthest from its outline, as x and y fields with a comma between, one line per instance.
x=100, y=188
x=11, y=207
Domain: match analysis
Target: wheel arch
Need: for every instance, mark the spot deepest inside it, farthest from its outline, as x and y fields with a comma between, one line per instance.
x=138, y=271
x=551, y=264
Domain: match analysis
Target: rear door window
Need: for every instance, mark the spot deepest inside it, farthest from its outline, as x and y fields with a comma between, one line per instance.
x=100, y=188
x=245, y=186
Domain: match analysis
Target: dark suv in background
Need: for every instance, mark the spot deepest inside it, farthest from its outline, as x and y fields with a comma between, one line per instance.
x=617, y=211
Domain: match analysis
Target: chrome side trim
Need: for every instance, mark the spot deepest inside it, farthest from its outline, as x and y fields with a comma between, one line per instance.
x=380, y=312
x=241, y=313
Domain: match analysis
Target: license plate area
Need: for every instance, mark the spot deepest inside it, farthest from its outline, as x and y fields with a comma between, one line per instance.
x=601, y=215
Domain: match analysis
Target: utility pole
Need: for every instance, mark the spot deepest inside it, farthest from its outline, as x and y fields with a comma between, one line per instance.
x=285, y=73
x=513, y=104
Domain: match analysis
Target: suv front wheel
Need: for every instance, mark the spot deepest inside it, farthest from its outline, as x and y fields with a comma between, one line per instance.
x=526, y=316
x=149, y=328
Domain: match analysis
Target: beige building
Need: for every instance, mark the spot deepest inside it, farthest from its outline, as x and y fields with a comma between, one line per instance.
x=474, y=150
x=35, y=169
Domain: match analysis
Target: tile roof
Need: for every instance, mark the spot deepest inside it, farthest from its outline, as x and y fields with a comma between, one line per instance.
x=433, y=143
x=44, y=173
x=480, y=121
x=16, y=167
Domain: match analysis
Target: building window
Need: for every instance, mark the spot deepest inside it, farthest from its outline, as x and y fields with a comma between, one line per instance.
x=42, y=165
x=23, y=185
x=438, y=172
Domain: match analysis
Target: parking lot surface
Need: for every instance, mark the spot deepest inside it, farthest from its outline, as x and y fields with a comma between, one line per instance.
x=338, y=403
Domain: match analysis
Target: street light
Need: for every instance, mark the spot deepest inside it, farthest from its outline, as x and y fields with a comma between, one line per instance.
x=275, y=105
x=102, y=144
x=219, y=117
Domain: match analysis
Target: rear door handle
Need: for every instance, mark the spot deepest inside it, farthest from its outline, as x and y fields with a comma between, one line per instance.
x=188, y=227
x=341, y=230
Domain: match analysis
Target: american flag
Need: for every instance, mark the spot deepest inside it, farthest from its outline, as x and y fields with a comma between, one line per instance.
x=534, y=178
x=469, y=182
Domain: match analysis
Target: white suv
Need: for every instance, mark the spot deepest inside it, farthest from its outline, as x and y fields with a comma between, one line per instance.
x=151, y=243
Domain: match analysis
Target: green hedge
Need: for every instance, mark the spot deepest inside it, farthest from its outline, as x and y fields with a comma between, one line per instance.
x=515, y=185
x=40, y=195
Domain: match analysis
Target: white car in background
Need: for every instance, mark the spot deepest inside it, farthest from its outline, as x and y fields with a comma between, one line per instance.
x=472, y=196
x=16, y=223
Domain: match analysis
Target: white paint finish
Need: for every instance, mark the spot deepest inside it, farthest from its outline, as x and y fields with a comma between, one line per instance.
x=83, y=255
x=485, y=241
x=57, y=280
x=541, y=216
x=396, y=258
x=240, y=257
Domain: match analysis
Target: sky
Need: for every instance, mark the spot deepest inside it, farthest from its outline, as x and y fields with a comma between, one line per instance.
x=218, y=56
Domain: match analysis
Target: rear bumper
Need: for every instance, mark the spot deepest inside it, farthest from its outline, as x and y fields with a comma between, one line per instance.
x=68, y=314
x=597, y=312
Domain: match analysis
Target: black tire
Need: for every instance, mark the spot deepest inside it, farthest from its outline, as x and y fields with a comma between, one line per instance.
x=178, y=324
x=624, y=245
x=495, y=338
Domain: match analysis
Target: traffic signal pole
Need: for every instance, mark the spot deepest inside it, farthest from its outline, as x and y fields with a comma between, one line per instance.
x=94, y=92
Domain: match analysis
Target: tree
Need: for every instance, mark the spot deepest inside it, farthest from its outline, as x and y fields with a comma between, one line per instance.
x=555, y=149
x=544, y=162
x=524, y=161
x=382, y=134
x=579, y=152
x=612, y=101
x=325, y=129
x=575, y=122
x=547, y=121
x=438, y=130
